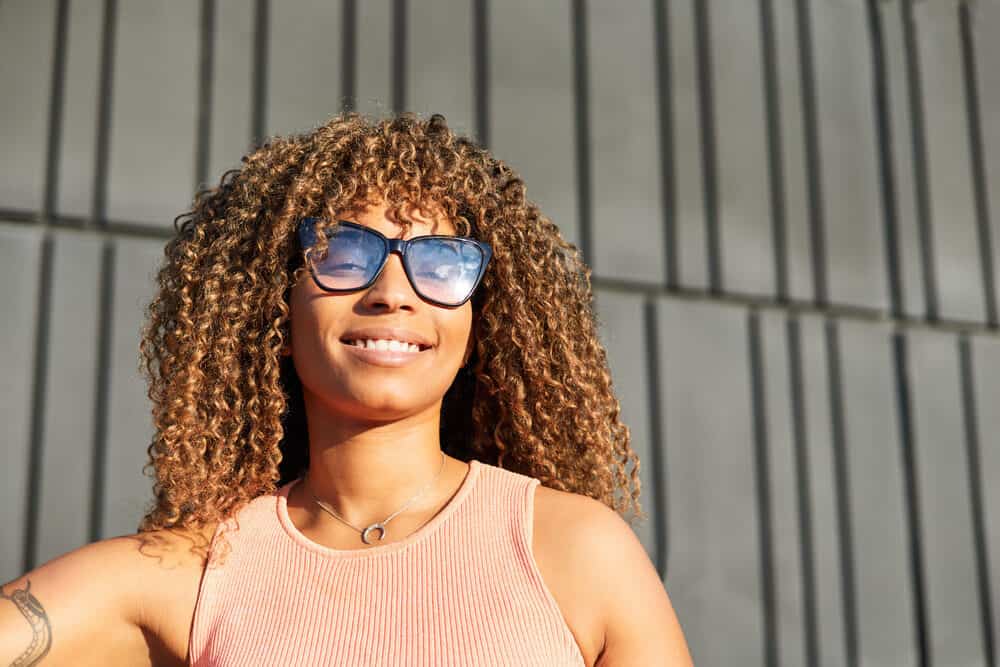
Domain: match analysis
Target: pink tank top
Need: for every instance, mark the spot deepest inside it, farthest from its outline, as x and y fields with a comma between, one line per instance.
x=463, y=589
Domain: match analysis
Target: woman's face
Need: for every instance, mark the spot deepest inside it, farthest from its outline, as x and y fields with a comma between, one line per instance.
x=377, y=384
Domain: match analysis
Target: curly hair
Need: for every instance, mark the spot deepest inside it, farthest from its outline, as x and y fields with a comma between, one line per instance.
x=229, y=423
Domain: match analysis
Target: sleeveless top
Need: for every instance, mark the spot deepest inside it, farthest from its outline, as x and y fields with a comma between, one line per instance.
x=463, y=589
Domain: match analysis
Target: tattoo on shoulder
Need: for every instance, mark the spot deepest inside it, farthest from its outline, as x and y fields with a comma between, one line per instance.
x=41, y=630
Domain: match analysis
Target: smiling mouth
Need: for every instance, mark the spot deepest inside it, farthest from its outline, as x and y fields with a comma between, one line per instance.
x=385, y=345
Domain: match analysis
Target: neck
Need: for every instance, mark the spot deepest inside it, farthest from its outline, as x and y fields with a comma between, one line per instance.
x=367, y=471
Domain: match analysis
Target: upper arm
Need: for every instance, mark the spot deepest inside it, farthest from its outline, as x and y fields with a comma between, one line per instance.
x=74, y=609
x=640, y=626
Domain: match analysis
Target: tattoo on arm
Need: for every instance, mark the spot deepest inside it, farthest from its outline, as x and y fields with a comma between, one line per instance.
x=41, y=631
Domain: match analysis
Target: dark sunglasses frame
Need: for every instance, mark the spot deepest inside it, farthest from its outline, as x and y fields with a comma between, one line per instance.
x=307, y=238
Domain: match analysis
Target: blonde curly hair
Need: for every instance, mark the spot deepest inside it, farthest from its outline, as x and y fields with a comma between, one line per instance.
x=536, y=397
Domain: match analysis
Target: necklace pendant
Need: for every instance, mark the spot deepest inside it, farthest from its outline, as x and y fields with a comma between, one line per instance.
x=375, y=526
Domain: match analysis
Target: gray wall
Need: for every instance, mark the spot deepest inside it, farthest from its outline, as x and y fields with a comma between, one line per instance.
x=804, y=338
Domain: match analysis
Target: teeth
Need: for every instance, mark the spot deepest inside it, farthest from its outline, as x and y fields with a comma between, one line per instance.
x=384, y=344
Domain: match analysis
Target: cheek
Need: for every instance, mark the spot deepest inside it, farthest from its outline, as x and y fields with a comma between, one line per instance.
x=309, y=318
x=455, y=332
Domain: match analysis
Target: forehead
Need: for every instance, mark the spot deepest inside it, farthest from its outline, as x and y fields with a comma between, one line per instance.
x=407, y=222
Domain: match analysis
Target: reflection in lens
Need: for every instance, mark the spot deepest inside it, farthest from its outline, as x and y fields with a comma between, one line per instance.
x=444, y=270
x=351, y=260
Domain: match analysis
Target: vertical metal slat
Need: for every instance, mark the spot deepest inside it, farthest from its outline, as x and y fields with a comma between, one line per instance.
x=657, y=453
x=908, y=460
x=971, y=423
x=206, y=71
x=842, y=484
x=582, y=96
x=706, y=104
x=817, y=217
x=979, y=182
x=758, y=401
x=803, y=476
x=665, y=115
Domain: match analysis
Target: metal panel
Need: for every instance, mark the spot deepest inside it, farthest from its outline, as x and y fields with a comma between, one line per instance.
x=130, y=430
x=688, y=158
x=78, y=146
x=943, y=492
x=26, y=30
x=536, y=138
x=775, y=402
x=20, y=254
x=621, y=318
x=985, y=28
x=628, y=216
x=902, y=156
x=875, y=483
x=816, y=553
x=304, y=86
x=714, y=580
x=374, y=57
x=154, y=114
x=742, y=163
x=439, y=61
x=67, y=446
x=847, y=153
x=950, y=178
x=986, y=384
x=232, y=88
x=795, y=187
x=824, y=498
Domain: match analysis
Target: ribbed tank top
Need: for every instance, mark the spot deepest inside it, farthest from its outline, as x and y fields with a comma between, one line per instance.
x=463, y=589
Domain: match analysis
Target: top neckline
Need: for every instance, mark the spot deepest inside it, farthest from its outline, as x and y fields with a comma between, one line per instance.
x=416, y=536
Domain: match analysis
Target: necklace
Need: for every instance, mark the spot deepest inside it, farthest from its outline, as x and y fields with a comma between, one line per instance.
x=380, y=525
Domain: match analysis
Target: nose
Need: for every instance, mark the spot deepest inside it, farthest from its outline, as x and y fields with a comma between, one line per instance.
x=392, y=289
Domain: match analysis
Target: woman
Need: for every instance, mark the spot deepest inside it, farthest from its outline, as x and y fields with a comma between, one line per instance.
x=385, y=428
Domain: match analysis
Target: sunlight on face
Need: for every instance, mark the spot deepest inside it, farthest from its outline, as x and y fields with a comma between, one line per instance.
x=339, y=341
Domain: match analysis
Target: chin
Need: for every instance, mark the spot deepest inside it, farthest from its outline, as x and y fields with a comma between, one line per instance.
x=388, y=405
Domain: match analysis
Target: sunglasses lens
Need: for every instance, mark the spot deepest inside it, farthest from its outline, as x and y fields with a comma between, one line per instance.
x=445, y=270
x=351, y=259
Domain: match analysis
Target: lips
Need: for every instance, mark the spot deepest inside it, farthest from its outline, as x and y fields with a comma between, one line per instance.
x=387, y=334
x=386, y=358
x=378, y=354
x=385, y=345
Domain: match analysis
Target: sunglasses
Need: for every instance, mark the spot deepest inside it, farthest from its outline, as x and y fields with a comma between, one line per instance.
x=444, y=270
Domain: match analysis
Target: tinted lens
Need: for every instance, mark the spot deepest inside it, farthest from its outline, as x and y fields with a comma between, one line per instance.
x=351, y=259
x=444, y=270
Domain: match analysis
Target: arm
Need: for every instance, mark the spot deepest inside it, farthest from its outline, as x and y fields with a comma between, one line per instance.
x=640, y=626
x=75, y=609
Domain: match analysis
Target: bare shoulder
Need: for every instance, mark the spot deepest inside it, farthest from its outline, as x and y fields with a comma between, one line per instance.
x=558, y=522
x=88, y=606
x=170, y=564
x=595, y=554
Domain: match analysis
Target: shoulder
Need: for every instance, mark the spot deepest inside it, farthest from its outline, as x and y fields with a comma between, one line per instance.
x=169, y=562
x=588, y=536
x=167, y=571
x=101, y=592
x=136, y=571
x=613, y=577
x=125, y=566
x=583, y=522
x=571, y=534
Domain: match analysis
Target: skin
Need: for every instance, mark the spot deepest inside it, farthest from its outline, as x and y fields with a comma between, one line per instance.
x=361, y=418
